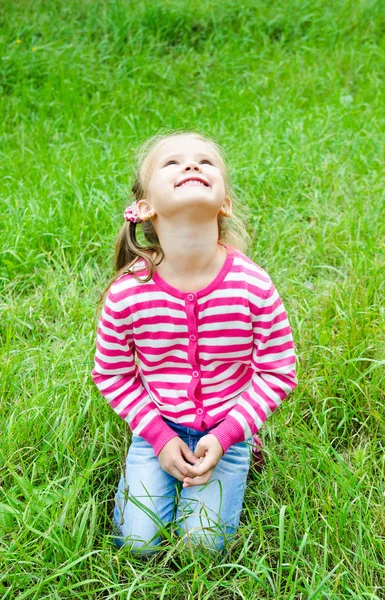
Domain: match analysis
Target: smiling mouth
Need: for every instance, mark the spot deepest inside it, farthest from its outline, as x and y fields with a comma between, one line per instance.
x=193, y=180
x=193, y=183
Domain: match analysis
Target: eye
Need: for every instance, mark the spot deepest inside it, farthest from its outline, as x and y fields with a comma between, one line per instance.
x=169, y=162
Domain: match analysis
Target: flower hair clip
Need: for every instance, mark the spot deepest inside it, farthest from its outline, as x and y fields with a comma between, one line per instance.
x=131, y=214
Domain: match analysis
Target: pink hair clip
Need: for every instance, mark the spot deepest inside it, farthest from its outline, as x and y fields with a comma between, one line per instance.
x=131, y=214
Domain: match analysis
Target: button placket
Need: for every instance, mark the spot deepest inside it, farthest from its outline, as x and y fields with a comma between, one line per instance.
x=192, y=345
x=192, y=354
x=192, y=329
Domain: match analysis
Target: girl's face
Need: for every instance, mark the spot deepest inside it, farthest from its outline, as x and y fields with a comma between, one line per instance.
x=185, y=179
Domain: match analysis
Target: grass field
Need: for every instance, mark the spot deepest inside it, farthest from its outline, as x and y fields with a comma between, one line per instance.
x=294, y=92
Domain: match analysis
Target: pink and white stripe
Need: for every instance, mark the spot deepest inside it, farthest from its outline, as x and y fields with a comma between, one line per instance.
x=221, y=356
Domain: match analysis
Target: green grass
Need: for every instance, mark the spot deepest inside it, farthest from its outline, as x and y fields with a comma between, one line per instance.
x=294, y=91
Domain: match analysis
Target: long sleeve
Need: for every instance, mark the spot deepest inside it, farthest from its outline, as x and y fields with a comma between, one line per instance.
x=118, y=377
x=274, y=374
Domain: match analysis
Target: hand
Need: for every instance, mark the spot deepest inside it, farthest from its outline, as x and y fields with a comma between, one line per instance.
x=209, y=451
x=173, y=456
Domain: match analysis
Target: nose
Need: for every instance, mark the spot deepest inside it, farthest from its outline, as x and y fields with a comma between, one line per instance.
x=192, y=165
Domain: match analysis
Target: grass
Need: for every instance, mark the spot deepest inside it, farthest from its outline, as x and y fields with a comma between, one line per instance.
x=294, y=91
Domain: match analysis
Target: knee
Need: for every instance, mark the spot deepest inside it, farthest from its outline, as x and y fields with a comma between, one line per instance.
x=135, y=529
x=136, y=544
x=208, y=540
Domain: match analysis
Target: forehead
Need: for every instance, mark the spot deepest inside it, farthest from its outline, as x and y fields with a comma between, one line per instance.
x=185, y=146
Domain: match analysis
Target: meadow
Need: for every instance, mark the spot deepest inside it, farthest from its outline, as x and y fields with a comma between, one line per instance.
x=294, y=92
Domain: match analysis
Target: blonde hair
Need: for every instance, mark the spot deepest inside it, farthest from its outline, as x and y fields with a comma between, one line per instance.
x=127, y=248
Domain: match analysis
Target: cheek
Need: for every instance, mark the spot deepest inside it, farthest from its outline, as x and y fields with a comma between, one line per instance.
x=156, y=186
x=220, y=182
x=222, y=188
x=161, y=181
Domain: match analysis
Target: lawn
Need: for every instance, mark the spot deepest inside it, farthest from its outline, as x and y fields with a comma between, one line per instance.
x=294, y=92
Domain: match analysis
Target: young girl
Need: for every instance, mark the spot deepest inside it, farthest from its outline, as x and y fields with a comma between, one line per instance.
x=194, y=349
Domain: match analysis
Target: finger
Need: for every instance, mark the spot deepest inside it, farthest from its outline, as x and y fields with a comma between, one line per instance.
x=205, y=465
x=184, y=467
x=189, y=455
x=200, y=451
x=175, y=472
x=191, y=481
x=193, y=470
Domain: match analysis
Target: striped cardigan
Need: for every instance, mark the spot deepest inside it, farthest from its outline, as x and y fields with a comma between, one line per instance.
x=220, y=357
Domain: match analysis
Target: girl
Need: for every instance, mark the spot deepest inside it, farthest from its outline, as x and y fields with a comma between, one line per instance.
x=194, y=349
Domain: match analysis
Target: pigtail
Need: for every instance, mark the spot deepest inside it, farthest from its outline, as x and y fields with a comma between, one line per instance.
x=128, y=251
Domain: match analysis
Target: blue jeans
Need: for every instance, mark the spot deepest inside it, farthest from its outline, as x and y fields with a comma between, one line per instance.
x=148, y=498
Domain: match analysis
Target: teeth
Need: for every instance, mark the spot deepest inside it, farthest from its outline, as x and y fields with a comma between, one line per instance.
x=192, y=182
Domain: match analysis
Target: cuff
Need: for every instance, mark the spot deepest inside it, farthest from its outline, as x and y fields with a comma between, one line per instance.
x=157, y=433
x=228, y=432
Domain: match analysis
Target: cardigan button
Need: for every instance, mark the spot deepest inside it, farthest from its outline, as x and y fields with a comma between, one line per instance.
x=191, y=297
x=199, y=411
x=195, y=374
x=193, y=337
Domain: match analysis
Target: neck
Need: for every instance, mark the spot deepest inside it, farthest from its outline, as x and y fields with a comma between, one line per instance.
x=190, y=249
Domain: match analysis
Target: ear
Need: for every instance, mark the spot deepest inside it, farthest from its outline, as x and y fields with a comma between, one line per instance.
x=226, y=208
x=145, y=211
